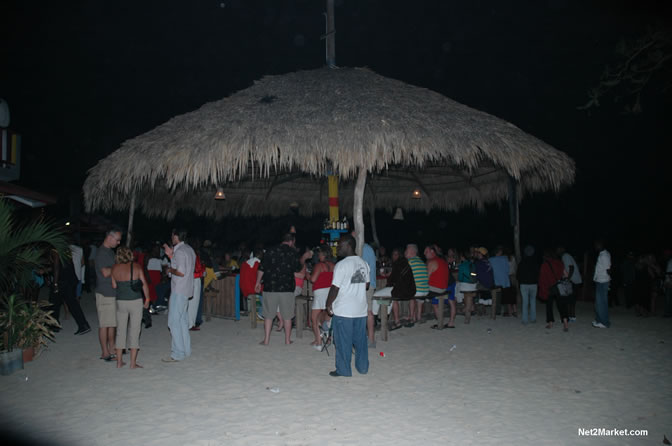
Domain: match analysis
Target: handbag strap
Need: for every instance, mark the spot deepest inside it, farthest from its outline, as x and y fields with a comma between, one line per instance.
x=551, y=268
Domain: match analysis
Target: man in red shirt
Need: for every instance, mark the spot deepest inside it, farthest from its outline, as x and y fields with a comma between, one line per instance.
x=248, y=276
x=439, y=278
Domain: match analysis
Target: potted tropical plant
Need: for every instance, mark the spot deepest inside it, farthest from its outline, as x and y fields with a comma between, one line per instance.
x=23, y=250
x=11, y=357
x=35, y=328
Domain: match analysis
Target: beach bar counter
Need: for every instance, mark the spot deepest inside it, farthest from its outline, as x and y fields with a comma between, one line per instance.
x=222, y=298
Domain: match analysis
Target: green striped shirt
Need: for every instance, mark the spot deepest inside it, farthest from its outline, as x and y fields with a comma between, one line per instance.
x=419, y=274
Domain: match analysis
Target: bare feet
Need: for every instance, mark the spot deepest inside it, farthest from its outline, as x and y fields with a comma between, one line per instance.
x=120, y=364
x=136, y=366
x=263, y=342
x=289, y=342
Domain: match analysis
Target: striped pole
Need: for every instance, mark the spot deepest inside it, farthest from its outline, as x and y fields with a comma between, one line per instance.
x=333, y=198
x=333, y=205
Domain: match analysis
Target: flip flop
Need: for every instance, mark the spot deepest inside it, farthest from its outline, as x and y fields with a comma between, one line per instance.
x=448, y=326
x=409, y=325
x=435, y=327
x=395, y=327
x=109, y=358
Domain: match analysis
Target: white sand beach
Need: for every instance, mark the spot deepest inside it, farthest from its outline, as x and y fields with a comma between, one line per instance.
x=515, y=385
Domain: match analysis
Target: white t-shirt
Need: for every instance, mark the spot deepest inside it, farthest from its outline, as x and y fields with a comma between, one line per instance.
x=154, y=264
x=568, y=260
x=603, y=264
x=351, y=276
x=77, y=254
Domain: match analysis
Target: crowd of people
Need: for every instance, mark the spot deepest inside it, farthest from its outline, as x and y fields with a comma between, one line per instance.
x=131, y=285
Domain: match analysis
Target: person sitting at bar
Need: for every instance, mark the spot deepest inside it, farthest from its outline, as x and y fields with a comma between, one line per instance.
x=439, y=279
x=301, y=276
x=421, y=279
x=485, y=279
x=229, y=262
x=402, y=283
x=466, y=285
x=248, y=278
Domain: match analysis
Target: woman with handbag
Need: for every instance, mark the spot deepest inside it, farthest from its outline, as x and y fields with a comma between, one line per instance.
x=553, y=271
x=128, y=279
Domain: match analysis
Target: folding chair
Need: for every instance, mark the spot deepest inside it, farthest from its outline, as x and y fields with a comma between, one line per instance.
x=327, y=338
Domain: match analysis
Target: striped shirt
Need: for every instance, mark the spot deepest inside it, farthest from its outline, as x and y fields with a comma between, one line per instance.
x=419, y=274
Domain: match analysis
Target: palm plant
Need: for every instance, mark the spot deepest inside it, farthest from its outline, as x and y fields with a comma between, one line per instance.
x=24, y=249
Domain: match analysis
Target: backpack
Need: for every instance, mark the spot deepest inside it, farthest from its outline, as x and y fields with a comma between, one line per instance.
x=484, y=274
x=467, y=273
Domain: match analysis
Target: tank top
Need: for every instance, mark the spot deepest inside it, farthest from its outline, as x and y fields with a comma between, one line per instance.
x=323, y=280
x=124, y=291
x=439, y=278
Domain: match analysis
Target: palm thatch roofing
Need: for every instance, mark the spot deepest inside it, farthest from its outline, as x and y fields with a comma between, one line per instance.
x=273, y=144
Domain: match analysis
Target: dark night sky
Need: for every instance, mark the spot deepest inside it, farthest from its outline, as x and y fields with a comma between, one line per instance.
x=83, y=76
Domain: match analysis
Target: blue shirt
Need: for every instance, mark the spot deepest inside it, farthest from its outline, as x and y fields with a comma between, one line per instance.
x=370, y=258
x=500, y=269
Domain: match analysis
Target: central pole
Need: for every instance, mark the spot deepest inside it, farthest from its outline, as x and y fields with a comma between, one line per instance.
x=331, y=35
x=131, y=214
x=333, y=198
x=358, y=210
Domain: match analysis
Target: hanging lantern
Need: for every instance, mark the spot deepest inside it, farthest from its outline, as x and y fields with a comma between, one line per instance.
x=220, y=195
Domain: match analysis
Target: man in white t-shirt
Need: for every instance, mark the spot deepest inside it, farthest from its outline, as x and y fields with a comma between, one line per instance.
x=574, y=276
x=78, y=260
x=602, y=279
x=347, y=304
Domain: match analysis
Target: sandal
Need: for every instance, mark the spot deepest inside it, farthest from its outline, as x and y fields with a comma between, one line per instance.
x=435, y=327
x=410, y=324
x=395, y=327
x=109, y=358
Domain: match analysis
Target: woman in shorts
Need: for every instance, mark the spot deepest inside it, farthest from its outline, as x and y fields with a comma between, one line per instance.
x=321, y=277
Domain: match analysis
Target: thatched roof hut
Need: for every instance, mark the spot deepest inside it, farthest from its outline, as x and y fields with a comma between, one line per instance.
x=274, y=143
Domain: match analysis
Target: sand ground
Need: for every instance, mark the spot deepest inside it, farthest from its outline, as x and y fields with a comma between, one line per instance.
x=513, y=385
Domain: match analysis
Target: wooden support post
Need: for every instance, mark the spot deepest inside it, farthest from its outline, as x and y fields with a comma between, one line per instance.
x=516, y=235
x=383, y=319
x=442, y=304
x=252, y=309
x=374, y=230
x=300, y=316
x=358, y=211
x=131, y=214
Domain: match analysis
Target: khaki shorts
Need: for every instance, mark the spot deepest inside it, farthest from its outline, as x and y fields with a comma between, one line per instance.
x=107, y=310
x=369, y=298
x=279, y=302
